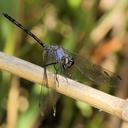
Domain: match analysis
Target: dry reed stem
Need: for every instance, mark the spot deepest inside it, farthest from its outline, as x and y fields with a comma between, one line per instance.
x=105, y=102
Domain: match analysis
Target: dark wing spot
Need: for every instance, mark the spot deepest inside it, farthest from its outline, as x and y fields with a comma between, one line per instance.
x=106, y=74
x=119, y=77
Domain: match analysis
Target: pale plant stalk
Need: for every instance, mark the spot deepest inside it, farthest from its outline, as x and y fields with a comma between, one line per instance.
x=103, y=101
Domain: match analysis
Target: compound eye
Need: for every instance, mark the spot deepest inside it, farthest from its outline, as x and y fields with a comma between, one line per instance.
x=72, y=61
x=66, y=60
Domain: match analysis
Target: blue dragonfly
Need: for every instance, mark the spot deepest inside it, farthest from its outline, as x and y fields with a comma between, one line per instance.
x=69, y=64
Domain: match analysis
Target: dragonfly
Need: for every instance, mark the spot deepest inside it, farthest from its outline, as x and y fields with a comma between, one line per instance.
x=67, y=63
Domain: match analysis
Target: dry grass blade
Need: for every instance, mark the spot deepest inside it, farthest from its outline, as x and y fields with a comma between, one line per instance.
x=105, y=102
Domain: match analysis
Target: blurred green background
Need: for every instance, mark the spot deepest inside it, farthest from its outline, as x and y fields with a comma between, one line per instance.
x=96, y=29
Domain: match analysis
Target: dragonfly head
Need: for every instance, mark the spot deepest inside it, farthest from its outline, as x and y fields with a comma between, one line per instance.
x=67, y=62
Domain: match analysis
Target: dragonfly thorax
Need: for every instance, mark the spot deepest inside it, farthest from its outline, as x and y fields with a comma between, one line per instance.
x=67, y=62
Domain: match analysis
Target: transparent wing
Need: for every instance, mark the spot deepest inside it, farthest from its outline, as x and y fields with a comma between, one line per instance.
x=91, y=73
x=48, y=97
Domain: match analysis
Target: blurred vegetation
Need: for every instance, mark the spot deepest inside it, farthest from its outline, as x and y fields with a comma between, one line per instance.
x=96, y=29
